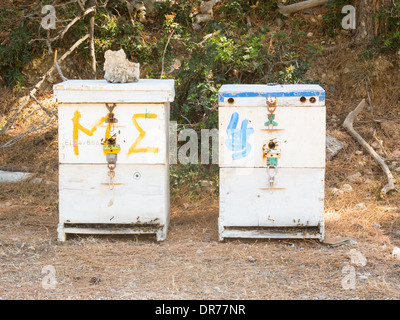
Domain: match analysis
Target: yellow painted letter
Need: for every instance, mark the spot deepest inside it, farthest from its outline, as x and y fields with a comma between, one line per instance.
x=142, y=133
x=78, y=126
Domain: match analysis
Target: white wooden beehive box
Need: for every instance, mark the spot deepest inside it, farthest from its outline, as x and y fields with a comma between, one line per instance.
x=133, y=197
x=272, y=161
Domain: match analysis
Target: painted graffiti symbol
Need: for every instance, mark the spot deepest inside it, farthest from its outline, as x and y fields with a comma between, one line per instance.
x=142, y=133
x=133, y=149
x=77, y=126
x=237, y=137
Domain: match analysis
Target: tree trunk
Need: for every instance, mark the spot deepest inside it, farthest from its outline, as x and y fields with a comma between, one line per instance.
x=368, y=25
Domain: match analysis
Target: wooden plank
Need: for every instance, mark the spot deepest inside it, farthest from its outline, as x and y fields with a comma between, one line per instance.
x=108, y=231
x=91, y=91
x=252, y=234
x=255, y=95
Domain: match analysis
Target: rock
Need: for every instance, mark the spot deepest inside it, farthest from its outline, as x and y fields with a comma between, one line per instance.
x=333, y=147
x=391, y=130
x=207, y=185
x=207, y=6
x=376, y=226
x=14, y=177
x=361, y=205
x=279, y=23
x=359, y=152
x=199, y=251
x=252, y=259
x=357, y=258
x=396, y=153
x=396, y=253
x=375, y=145
x=6, y=204
x=355, y=178
x=336, y=191
x=176, y=65
x=95, y=280
x=310, y=35
x=205, y=13
x=367, y=181
x=347, y=188
x=37, y=180
x=118, y=69
x=196, y=26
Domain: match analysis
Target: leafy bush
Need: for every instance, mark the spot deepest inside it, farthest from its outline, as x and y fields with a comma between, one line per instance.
x=333, y=18
x=17, y=50
x=390, y=17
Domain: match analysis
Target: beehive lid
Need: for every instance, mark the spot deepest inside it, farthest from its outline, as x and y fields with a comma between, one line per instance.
x=101, y=91
x=291, y=92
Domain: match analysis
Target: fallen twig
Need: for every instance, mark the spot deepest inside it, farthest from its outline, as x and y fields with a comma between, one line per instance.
x=348, y=125
x=41, y=106
x=369, y=98
x=380, y=142
x=292, y=8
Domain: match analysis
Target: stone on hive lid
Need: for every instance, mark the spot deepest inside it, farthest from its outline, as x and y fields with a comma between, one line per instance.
x=118, y=69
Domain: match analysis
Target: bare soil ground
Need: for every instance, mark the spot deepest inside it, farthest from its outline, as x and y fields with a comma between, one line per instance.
x=192, y=263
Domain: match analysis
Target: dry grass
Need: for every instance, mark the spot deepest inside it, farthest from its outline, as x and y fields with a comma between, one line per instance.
x=191, y=263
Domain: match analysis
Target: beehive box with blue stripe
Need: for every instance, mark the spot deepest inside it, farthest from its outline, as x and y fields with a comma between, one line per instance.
x=272, y=161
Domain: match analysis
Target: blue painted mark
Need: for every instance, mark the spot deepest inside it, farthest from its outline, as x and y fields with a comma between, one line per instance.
x=319, y=94
x=237, y=138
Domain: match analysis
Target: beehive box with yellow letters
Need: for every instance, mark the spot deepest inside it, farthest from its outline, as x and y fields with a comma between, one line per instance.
x=272, y=161
x=113, y=155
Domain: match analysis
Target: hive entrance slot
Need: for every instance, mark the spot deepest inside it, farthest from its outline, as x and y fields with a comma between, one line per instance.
x=272, y=145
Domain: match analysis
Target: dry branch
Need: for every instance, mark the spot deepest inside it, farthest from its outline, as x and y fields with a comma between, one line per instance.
x=41, y=106
x=292, y=8
x=348, y=125
x=61, y=34
x=91, y=33
x=163, y=56
x=39, y=84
